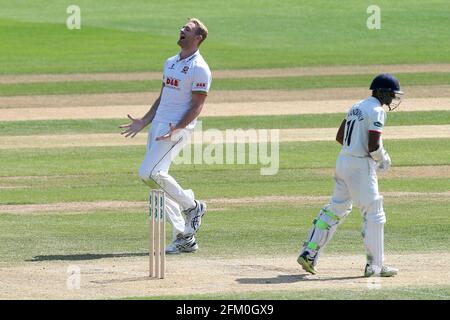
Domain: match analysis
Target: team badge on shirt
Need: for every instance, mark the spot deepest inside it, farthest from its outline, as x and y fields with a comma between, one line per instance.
x=185, y=70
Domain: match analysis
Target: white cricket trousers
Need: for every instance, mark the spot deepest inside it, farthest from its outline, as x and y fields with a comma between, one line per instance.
x=357, y=183
x=154, y=171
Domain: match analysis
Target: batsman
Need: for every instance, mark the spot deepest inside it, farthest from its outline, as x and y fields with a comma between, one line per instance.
x=361, y=157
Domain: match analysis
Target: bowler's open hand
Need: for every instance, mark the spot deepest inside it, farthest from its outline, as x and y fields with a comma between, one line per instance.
x=132, y=128
x=168, y=135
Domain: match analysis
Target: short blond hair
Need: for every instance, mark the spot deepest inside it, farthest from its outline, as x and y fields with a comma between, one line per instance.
x=200, y=28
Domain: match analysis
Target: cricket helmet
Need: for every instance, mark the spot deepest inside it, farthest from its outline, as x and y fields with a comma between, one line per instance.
x=386, y=88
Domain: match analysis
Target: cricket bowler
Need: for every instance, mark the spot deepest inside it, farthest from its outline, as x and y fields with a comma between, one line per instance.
x=173, y=116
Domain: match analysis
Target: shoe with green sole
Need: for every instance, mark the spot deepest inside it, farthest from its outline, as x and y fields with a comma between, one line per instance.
x=306, y=263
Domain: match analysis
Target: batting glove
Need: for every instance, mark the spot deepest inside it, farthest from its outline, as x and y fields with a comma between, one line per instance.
x=385, y=164
x=382, y=158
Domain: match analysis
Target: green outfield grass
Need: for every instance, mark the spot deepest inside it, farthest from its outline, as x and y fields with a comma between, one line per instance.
x=137, y=35
x=293, y=182
x=109, y=233
x=45, y=127
x=416, y=293
x=274, y=83
x=110, y=173
x=128, y=187
x=120, y=160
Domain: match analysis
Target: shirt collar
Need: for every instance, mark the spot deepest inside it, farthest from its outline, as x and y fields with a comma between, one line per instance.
x=373, y=99
x=189, y=58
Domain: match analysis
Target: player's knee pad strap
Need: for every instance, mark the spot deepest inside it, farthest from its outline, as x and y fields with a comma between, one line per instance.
x=325, y=224
x=341, y=209
x=324, y=227
x=326, y=219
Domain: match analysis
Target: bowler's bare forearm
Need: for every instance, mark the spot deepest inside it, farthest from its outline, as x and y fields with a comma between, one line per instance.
x=148, y=117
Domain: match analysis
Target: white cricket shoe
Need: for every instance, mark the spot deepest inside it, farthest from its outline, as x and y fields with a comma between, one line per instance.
x=194, y=218
x=384, y=272
x=182, y=244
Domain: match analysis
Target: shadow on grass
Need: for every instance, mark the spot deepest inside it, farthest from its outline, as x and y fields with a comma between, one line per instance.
x=290, y=279
x=85, y=256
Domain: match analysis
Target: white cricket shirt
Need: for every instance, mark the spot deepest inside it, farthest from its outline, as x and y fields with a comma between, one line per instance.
x=363, y=117
x=181, y=77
